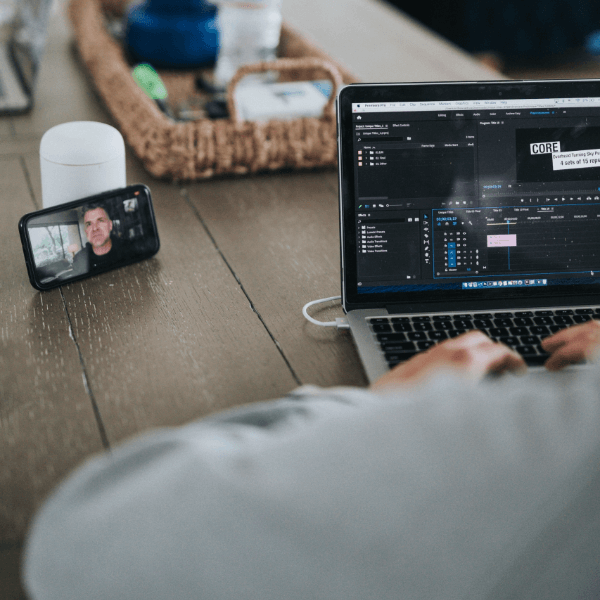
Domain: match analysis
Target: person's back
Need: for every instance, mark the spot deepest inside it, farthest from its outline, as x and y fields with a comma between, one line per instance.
x=446, y=488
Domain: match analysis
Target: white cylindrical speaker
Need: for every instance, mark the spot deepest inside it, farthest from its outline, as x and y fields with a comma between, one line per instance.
x=80, y=159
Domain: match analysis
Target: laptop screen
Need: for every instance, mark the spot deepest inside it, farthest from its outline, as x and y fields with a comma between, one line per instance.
x=464, y=191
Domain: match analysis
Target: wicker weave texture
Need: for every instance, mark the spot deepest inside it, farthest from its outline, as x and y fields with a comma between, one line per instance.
x=206, y=148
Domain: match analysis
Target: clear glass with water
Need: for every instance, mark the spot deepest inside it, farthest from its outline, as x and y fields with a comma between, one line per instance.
x=249, y=33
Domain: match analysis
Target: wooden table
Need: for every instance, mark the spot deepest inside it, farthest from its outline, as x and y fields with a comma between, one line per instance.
x=214, y=320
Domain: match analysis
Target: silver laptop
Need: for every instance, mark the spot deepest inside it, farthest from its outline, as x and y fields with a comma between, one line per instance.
x=468, y=206
x=22, y=41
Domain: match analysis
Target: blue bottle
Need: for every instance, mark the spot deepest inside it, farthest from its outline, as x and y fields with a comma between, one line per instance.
x=173, y=34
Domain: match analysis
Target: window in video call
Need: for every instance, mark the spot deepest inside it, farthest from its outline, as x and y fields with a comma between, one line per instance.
x=465, y=197
x=84, y=239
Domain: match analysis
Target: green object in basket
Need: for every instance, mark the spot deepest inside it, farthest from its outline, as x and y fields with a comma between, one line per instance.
x=151, y=83
x=149, y=80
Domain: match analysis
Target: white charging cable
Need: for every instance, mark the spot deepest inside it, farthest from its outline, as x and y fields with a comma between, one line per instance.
x=340, y=322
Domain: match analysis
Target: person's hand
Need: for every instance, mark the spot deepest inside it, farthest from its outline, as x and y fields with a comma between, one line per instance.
x=572, y=345
x=472, y=355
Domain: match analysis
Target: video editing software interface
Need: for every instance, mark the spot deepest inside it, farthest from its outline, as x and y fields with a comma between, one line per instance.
x=477, y=194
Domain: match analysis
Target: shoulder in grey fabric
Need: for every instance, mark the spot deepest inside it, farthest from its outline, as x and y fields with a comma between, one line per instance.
x=448, y=491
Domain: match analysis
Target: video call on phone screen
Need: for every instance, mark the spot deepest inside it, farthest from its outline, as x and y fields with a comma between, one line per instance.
x=93, y=237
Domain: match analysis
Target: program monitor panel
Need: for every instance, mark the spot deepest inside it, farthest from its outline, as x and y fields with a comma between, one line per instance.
x=475, y=193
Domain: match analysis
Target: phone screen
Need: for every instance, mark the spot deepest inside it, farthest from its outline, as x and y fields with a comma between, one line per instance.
x=89, y=236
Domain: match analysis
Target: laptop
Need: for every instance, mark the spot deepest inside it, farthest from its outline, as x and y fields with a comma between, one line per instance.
x=469, y=205
x=22, y=43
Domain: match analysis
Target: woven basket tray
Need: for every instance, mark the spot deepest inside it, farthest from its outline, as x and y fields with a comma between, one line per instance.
x=206, y=148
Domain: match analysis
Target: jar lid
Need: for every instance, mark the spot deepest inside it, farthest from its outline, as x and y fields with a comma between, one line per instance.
x=82, y=143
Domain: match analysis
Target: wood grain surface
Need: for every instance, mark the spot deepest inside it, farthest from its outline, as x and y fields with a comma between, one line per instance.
x=280, y=235
x=172, y=338
x=10, y=585
x=7, y=130
x=47, y=423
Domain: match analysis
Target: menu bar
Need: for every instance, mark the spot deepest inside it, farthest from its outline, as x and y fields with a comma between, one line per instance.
x=375, y=107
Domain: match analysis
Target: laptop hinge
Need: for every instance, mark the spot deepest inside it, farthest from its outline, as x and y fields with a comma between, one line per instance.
x=504, y=304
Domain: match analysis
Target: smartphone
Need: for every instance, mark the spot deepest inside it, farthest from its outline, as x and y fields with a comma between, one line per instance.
x=86, y=237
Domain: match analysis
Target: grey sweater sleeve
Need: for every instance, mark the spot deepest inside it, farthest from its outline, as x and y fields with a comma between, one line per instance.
x=448, y=491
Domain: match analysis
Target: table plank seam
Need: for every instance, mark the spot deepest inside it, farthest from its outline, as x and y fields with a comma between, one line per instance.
x=88, y=389
x=27, y=175
x=188, y=200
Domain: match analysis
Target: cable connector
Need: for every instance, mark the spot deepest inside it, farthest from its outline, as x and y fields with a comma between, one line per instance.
x=340, y=322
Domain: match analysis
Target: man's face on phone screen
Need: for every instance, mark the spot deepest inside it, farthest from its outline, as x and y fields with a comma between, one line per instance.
x=97, y=227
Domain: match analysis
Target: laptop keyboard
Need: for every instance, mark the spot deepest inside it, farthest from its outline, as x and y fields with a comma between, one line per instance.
x=401, y=337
